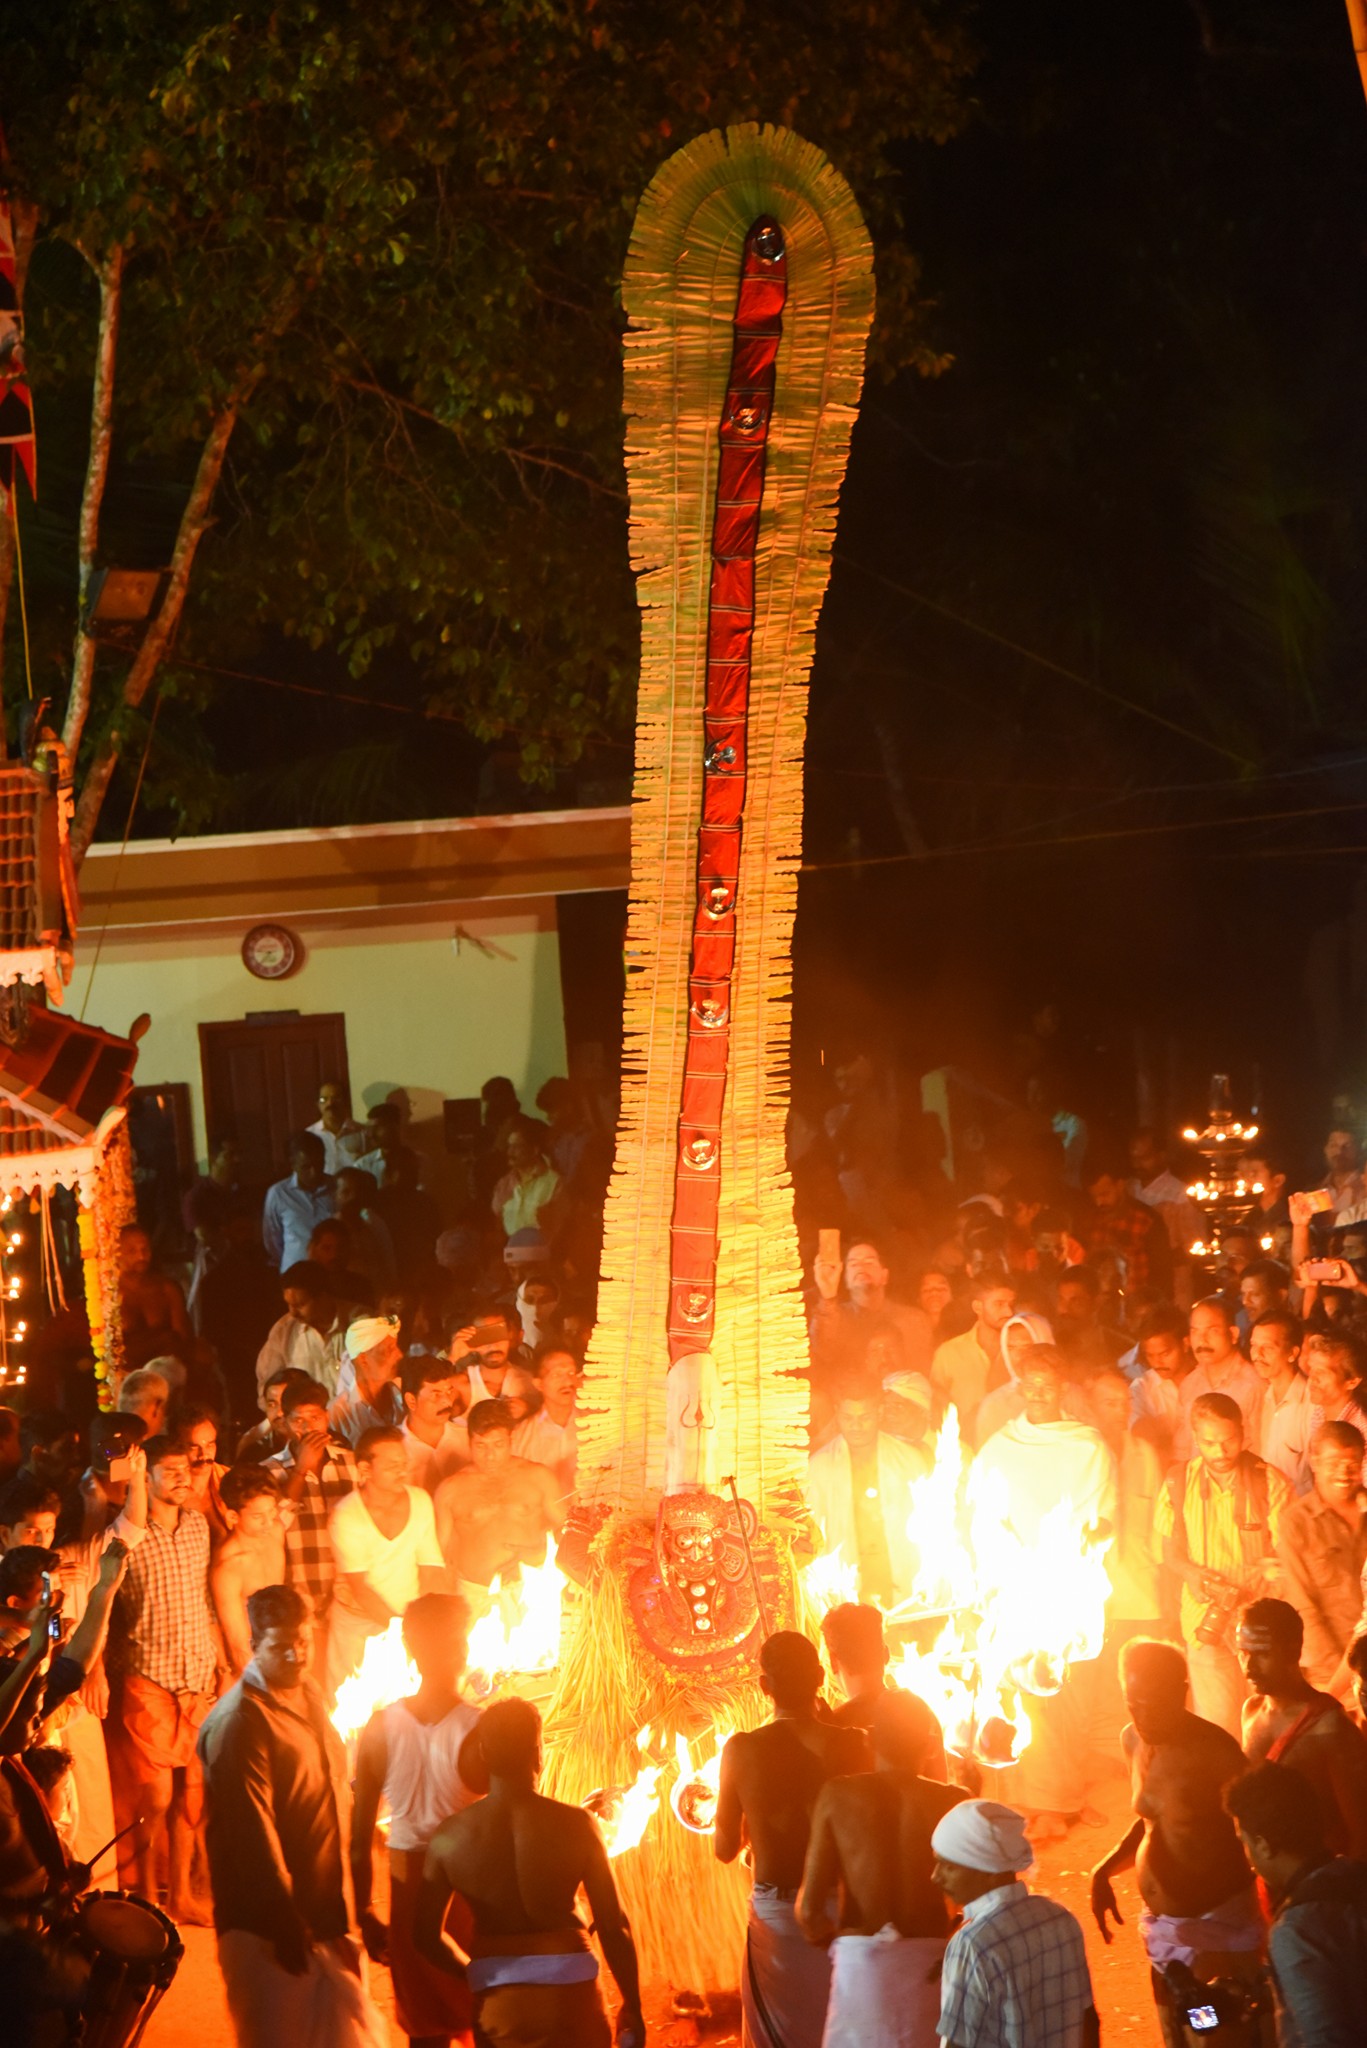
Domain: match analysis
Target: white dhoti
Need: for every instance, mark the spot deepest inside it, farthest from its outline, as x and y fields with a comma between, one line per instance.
x=786, y=1980
x=885, y=1988
x=1234, y=1928
x=81, y=1735
x=327, y=2004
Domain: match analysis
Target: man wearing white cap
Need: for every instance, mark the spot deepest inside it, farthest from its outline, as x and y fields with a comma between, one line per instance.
x=368, y=1395
x=1015, y=1973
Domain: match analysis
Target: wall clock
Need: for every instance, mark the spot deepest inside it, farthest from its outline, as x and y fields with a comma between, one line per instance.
x=270, y=952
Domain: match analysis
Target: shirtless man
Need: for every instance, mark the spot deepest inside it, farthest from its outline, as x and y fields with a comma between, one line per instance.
x=495, y=1516
x=1183, y=1846
x=518, y=1861
x=151, y=1305
x=871, y=1842
x=858, y=1653
x=252, y=1555
x=1288, y=1722
x=770, y=1780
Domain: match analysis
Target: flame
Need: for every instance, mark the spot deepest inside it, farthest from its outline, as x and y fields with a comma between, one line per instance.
x=519, y=1637
x=520, y=1634
x=385, y=1675
x=625, y=1813
x=693, y=1795
x=830, y=1579
x=1014, y=1616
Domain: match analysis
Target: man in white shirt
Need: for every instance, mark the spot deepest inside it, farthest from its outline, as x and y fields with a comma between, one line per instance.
x=858, y=1490
x=311, y=1334
x=966, y=1368
x=1221, y=1367
x=548, y=1436
x=343, y=1138
x=1157, y=1408
x=384, y=1546
x=1283, y=1431
x=1021, y=1474
x=434, y=1433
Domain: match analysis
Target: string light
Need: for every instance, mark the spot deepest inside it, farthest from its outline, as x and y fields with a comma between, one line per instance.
x=1224, y=1193
x=12, y=1334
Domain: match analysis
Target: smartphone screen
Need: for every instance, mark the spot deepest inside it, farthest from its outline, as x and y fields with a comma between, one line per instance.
x=828, y=1245
x=1201, y=2018
x=119, y=1469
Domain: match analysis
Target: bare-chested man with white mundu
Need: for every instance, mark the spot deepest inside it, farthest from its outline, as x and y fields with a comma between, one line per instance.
x=495, y=1515
x=870, y=1853
x=770, y=1779
x=1200, y=1907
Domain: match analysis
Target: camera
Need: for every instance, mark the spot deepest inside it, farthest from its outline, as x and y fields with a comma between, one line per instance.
x=1215, y=1623
x=1206, y=2008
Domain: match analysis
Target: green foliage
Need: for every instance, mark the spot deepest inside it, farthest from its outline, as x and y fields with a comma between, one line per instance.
x=402, y=227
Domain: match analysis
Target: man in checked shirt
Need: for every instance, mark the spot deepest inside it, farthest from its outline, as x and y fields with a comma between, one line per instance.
x=315, y=1470
x=162, y=1686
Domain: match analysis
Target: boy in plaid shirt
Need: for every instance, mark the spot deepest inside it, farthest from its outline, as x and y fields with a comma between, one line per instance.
x=315, y=1472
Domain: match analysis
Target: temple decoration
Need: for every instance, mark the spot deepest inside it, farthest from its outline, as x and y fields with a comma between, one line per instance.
x=64, y=1085
x=749, y=295
x=39, y=903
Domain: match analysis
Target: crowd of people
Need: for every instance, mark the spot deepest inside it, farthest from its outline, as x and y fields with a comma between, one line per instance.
x=347, y=1410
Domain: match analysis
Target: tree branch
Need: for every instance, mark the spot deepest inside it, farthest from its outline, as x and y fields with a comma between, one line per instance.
x=194, y=522
x=110, y=274
x=513, y=455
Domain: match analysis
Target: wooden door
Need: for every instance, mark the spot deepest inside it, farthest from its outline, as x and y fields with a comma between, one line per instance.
x=261, y=1083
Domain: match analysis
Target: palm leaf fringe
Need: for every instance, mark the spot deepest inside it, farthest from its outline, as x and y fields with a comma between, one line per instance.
x=680, y=292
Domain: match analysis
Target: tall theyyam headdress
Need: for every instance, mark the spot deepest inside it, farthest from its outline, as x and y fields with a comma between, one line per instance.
x=749, y=291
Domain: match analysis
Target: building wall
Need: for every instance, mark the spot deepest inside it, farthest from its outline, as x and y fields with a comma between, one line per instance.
x=432, y=1008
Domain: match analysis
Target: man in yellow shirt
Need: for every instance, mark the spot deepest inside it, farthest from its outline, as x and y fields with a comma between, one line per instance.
x=1218, y=1519
x=965, y=1368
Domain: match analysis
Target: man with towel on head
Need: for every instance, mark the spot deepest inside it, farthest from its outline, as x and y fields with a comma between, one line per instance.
x=770, y=1780
x=870, y=1848
x=1015, y=1972
x=368, y=1395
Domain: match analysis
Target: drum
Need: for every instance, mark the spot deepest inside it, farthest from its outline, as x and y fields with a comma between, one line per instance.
x=134, y=1951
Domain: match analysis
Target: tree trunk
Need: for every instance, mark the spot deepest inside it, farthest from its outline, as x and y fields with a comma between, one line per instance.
x=110, y=274
x=194, y=521
x=24, y=226
x=1357, y=22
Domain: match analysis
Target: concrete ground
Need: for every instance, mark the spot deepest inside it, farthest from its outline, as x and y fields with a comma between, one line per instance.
x=194, y=2010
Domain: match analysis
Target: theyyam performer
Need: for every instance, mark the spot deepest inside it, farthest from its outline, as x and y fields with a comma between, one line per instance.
x=749, y=294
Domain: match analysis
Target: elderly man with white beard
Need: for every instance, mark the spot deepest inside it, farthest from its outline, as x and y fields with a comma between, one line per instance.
x=1038, y=1460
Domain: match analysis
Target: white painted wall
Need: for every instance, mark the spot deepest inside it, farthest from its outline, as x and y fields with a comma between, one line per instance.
x=427, y=1013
